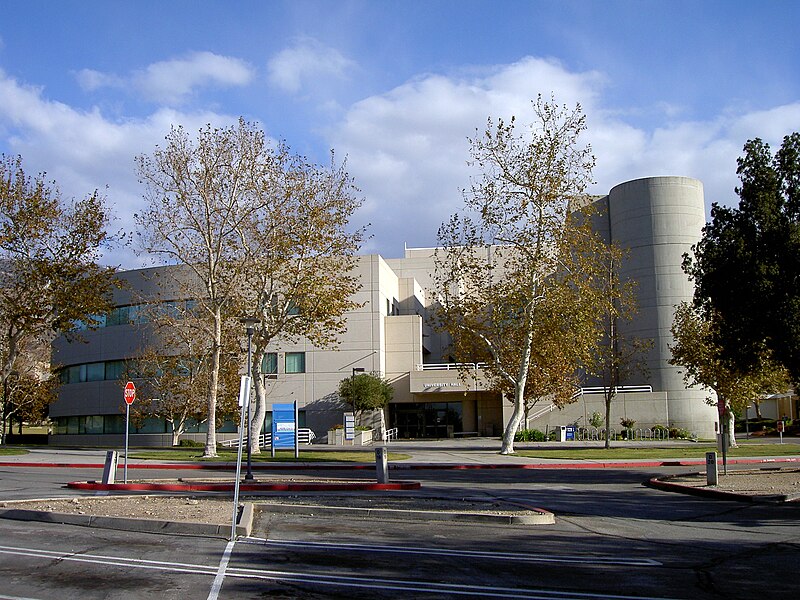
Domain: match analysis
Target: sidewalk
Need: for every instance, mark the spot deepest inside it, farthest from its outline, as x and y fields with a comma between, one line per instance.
x=424, y=454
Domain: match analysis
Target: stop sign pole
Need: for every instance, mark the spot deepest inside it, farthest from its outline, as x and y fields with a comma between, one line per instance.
x=130, y=396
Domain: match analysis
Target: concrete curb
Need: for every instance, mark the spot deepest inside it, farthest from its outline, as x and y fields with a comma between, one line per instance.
x=406, y=466
x=243, y=487
x=243, y=528
x=663, y=483
x=542, y=517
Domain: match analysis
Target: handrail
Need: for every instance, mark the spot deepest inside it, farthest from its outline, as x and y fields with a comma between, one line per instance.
x=449, y=366
x=304, y=436
x=618, y=389
x=391, y=434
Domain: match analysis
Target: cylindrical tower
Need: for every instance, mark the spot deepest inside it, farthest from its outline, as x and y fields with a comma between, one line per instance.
x=657, y=219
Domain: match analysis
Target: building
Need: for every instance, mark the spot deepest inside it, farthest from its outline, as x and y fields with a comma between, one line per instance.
x=657, y=219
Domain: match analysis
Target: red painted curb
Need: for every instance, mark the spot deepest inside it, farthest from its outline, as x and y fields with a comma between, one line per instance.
x=244, y=487
x=401, y=466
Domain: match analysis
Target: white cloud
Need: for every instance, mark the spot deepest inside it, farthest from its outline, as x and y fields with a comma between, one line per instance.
x=407, y=147
x=83, y=151
x=171, y=81
x=307, y=60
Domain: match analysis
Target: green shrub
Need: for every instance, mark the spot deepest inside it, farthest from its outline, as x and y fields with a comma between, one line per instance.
x=187, y=443
x=597, y=420
x=529, y=435
x=679, y=434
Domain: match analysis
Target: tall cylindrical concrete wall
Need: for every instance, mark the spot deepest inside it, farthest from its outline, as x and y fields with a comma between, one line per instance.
x=657, y=219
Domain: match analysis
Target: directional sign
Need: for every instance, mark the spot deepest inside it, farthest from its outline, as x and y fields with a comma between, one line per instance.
x=130, y=393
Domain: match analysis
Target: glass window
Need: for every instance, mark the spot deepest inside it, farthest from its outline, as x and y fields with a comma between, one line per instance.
x=115, y=369
x=152, y=425
x=73, y=425
x=295, y=362
x=93, y=424
x=114, y=424
x=269, y=366
x=96, y=371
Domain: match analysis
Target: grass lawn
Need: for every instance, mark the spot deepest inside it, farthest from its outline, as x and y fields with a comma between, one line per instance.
x=695, y=451
x=6, y=451
x=196, y=454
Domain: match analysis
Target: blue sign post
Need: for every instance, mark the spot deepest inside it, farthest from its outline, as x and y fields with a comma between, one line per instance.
x=284, y=427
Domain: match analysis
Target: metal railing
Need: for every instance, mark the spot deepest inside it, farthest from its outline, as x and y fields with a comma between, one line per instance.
x=449, y=366
x=304, y=436
x=391, y=434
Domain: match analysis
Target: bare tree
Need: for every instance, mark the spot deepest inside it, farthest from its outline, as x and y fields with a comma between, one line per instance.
x=50, y=279
x=172, y=374
x=200, y=194
x=517, y=284
x=300, y=256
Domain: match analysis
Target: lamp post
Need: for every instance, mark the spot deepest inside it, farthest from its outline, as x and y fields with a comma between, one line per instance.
x=353, y=385
x=249, y=323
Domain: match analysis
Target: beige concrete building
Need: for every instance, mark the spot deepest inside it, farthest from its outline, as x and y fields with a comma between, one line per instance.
x=657, y=219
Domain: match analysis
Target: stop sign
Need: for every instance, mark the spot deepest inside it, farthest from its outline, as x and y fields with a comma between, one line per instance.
x=130, y=392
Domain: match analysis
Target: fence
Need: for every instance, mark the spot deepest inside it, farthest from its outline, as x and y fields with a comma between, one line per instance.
x=588, y=434
x=304, y=436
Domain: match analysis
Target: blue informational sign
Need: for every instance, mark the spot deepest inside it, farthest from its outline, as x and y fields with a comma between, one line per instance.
x=284, y=425
x=349, y=426
x=570, y=432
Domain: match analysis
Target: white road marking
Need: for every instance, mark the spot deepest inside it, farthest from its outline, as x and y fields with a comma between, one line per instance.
x=514, y=556
x=220, y=577
x=302, y=577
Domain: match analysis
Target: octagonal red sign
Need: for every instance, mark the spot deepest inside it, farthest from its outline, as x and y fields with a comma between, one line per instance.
x=130, y=392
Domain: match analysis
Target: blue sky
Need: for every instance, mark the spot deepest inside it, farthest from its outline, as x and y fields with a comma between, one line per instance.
x=669, y=88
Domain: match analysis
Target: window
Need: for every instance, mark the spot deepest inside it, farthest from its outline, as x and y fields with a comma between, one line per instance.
x=295, y=362
x=93, y=424
x=269, y=366
x=96, y=371
x=115, y=369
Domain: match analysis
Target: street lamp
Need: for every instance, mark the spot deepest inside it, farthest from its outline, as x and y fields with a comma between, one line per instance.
x=353, y=385
x=249, y=323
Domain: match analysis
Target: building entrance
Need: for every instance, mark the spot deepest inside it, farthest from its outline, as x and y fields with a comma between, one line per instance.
x=426, y=420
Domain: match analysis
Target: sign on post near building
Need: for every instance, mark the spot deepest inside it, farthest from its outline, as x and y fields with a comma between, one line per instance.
x=284, y=427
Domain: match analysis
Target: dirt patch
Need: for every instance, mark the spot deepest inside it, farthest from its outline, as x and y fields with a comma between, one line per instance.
x=199, y=509
x=185, y=509
x=754, y=482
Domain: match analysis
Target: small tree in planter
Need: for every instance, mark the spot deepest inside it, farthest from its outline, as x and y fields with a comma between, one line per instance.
x=365, y=391
x=627, y=425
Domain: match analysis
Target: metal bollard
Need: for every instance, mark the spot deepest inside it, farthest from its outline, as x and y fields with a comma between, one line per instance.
x=712, y=476
x=382, y=464
x=110, y=468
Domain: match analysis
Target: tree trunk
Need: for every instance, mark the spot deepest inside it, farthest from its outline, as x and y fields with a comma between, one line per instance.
x=730, y=421
x=257, y=420
x=513, y=424
x=609, y=396
x=211, y=434
x=177, y=432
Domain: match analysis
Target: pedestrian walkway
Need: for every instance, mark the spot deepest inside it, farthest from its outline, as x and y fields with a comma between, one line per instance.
x=445, y=453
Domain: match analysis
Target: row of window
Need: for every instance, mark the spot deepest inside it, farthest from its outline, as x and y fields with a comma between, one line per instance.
x=98, y=371
x=113, y=370
x=137, y=314
x=102, y=424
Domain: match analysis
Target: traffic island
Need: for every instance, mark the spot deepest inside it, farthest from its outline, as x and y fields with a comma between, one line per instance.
x=770, y=485
x=228, y=486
